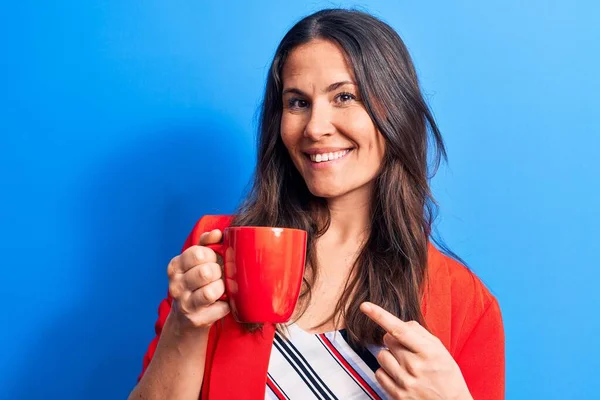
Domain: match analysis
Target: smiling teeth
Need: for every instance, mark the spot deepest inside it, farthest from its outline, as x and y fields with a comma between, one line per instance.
x=328, y=156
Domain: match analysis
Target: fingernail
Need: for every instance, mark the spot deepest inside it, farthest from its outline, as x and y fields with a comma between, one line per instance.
x=367, y=307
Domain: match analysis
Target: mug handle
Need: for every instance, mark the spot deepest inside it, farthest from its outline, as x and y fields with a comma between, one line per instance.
x=219, y=248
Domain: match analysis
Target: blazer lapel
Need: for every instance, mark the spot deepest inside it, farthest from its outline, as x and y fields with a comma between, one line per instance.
x=240, y=362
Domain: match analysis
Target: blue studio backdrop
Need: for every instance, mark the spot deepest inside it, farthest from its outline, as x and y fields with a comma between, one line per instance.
x=123, y=122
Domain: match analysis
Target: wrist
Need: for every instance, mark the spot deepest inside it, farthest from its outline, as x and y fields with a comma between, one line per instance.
x=184, y=329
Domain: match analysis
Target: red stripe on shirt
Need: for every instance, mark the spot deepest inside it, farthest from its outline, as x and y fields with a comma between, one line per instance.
x=348, y=367
x=273, y=386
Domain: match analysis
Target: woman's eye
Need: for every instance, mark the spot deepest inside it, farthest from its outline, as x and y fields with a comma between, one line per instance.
x=296, y=103
x=345, y=97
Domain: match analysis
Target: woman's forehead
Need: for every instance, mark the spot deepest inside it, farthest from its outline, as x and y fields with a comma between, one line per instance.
x=318, y=62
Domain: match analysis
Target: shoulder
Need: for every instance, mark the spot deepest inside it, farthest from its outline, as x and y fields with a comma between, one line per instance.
x=466, y=287
x=456, y=299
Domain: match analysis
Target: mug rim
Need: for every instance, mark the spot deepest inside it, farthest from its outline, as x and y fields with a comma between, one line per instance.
x=264, y=228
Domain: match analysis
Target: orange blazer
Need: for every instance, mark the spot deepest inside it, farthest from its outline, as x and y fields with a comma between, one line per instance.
x=458, y=309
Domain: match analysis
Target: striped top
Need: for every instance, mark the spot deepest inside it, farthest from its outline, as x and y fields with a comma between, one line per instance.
x=321, y=366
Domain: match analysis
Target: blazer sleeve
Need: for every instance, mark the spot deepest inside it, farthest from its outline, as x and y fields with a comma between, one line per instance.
x=481, y=358
x=204, y=224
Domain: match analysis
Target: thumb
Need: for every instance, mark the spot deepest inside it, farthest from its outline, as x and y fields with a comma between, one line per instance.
x=211, y=237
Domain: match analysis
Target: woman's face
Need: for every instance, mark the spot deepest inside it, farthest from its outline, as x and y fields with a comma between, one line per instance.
x=330, y=137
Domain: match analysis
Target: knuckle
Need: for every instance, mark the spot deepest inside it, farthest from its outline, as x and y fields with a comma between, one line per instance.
x=199, y=299
x=413, y=324
x=193, y=255
x=205, y=273
x=396, y=333
x=172, y=267
x=410, y=383
x=417, y=366
x=207, y=254
x=175, y=289
x=199, y=254
x=210, y=294
x=217, y=271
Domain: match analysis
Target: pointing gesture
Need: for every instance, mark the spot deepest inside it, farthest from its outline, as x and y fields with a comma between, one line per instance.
x=415, y=365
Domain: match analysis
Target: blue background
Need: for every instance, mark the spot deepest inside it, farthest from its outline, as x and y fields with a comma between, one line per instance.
x=123, y=122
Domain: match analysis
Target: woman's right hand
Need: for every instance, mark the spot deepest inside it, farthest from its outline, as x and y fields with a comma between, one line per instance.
x=196, y=284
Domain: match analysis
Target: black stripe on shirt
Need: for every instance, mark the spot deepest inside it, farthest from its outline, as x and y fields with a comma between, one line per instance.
x=302, y=373
x=363, y=353
x=305, y=366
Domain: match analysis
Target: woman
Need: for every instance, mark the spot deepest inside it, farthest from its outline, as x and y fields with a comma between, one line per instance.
x=342, y=154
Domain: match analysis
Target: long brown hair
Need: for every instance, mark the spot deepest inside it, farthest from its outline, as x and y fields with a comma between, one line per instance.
x=391, y=267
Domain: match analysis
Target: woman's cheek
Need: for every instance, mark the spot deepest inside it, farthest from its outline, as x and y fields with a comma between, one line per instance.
x=357, y=123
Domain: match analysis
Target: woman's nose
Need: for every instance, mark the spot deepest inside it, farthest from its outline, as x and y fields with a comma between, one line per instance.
x=320, y=123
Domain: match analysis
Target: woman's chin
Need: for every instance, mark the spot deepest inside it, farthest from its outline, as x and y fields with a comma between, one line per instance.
x=333, y=191
x=325, y=192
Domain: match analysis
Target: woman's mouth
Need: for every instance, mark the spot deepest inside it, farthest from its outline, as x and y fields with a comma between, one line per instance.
x=327, y=157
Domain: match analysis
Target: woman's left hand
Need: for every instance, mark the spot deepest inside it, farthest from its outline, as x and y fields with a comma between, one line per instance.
x=415, y=365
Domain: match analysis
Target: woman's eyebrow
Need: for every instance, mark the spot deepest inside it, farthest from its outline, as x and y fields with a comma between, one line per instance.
x=293, y=90
x=337, y=85
x=329, y=88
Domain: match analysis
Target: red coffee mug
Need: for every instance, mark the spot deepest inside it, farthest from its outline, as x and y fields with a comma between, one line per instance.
x=263, y=270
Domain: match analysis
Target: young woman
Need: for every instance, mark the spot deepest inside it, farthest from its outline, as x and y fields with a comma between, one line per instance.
x=342, y=154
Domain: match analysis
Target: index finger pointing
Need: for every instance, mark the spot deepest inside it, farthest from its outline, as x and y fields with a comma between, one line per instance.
x=403, y=332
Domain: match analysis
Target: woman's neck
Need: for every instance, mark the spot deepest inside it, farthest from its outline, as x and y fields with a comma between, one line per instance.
x=350, y=217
